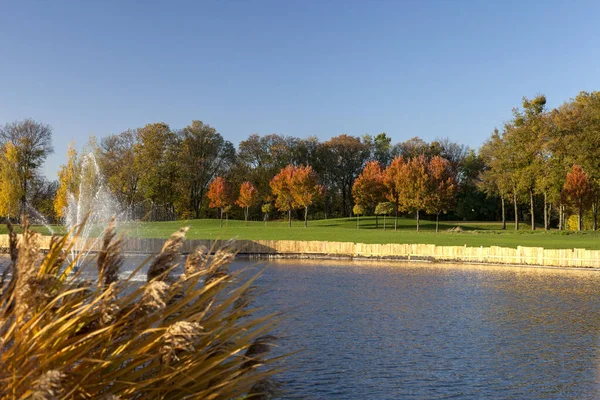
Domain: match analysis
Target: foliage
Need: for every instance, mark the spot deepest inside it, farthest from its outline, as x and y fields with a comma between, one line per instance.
x=295, y=187
x=247, y=198
x=384, y=208
x=369, y=188
x=33, y=143
x=190, y=336
x=441, y=186
x=219, y=194
x=68, y=178
x=10, y=184
x=577, y=191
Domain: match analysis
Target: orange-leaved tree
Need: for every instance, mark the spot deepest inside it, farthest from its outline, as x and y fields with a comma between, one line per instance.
x=295, y=187
x=394, y=177
x=219, y=193
x=441, y=188
x=247, y=198
x=305, y=189
x=577, y=191
x=414, y=189
x=368, y=189
x=281, y=186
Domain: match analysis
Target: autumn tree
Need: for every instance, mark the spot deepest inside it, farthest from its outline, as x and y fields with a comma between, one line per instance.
x=305, y=189
x=68, y=182
x=413, y=194
x=219, y=194
x=441, y=188
x=369, y=189
x=295, y=187
x=577, y=191
x=394, y=178
x=10, y=185
x=32, y=141
x=281, y=185
x=247, y=198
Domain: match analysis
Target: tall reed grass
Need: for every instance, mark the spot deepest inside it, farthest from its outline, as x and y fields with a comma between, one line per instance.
x=190, y=336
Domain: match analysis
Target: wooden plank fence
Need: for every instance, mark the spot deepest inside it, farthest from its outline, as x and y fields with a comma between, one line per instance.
x=493, y=255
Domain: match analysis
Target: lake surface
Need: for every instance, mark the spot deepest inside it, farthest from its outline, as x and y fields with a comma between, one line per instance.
x=383, y=331
x=433, y=331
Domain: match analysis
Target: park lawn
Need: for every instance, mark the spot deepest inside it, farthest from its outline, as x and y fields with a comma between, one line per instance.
x=344, y=230
x=473, y=233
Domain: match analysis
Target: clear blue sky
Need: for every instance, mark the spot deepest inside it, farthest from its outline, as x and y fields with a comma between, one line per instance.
x=409, y=68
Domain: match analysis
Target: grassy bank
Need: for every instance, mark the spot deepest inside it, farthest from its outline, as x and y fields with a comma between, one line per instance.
x=344, y=230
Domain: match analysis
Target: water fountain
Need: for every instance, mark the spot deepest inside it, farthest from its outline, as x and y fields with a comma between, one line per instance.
x=90, y=210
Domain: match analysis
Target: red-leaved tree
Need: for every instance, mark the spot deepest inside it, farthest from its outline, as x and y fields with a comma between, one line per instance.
x=577, y=191
x=219, y=194
x=247, y=198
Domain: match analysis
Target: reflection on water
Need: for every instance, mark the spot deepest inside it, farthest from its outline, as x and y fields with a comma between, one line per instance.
x=432, y=331
x=381, y=331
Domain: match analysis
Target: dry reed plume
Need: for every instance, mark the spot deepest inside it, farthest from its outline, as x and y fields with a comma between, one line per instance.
x=167, y=338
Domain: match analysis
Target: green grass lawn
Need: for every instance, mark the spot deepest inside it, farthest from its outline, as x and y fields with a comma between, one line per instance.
x=344, y=230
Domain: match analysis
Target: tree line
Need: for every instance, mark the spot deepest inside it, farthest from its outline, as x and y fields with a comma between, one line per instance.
x=541, y=161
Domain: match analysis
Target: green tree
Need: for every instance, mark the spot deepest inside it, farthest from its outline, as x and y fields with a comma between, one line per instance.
x=203, y=155
x=385, y=209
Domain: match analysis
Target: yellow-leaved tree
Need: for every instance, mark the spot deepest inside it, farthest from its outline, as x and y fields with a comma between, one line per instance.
x=10, y=184
x=68, y=180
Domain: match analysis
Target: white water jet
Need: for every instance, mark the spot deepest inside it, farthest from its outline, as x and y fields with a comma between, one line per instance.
x=90, y=210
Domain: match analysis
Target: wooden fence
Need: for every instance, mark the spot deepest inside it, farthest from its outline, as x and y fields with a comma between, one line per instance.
x=291, y=248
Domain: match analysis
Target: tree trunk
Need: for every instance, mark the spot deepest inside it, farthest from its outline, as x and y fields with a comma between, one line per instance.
x=220, y=218
x=246, y=215
x=561, y=217
x=516, y=211
x=437, y=222
x=290, y=217
x=384, y=221
x=580, y=216
x=376, y=221
x=531, y=209
x=417, y=220
x=357, y=221
x=503, y=213
x=396, y=218
x=545, y=211
x=595, y=213
x=305, y=217
x=265, y=218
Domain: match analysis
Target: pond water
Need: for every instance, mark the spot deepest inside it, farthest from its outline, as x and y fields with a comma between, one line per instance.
x=382, y=331
x=433, y=331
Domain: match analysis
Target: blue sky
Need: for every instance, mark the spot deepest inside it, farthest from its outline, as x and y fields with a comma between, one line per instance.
x=409, y=68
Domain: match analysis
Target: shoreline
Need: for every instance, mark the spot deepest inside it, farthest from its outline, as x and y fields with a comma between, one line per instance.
x=581, y=259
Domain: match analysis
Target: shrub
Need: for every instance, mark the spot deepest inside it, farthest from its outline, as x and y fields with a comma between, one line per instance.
x=190, y=336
